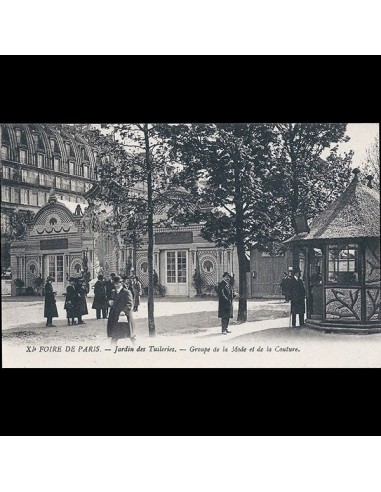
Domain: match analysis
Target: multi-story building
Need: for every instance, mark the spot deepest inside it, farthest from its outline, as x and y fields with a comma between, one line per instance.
x=36, y=158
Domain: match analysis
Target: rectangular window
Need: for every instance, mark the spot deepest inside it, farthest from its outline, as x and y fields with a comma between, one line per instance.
x=40, y=160
x=24, y=176
x=25, y=197
x=66, y=183
x=58, y=182
x=343, y=265
x=52, y=144
x=86, y=171
x=4, y=152
x=18, y=136
x=5, y=194
x=6, y=172
x=41, y=198
x=52, y=266
x=15, y=195
x=171, y=267
x=33, y=198
x=181, y=267
x=60, y=268
x=23, y=156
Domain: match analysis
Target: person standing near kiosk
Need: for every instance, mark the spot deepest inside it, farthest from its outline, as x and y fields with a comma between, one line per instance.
x=297, y=295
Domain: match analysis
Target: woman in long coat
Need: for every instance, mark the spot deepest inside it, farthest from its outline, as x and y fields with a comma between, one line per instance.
x=50, y=308
x=121, y=304
x=100, y=298
x=71, y=302
x=225, y=302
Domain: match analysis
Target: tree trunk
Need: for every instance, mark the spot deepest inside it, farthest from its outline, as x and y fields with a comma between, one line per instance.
x=242, y=303
x=239, y=226
x=151, y=318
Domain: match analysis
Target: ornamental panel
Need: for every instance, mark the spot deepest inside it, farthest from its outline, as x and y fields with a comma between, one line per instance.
x=372, y=262
x=343, y=304
x=373, y=304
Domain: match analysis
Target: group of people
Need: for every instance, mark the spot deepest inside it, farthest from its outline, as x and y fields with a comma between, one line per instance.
x=106, y=296
x=103, y=293
x=75, y=301
x=292, y=288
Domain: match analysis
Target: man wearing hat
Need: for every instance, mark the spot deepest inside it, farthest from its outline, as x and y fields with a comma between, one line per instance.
x=225, y=302
x=100, y=299
x=297, y=296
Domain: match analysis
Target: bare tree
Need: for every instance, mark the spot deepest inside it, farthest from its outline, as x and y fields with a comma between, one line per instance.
x=372, y=162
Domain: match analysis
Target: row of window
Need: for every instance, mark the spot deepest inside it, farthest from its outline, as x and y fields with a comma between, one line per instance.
x=61, y=182
x=32, y=197
x=56, y=164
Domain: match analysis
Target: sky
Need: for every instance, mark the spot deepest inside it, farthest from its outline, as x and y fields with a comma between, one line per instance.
x=361, y=136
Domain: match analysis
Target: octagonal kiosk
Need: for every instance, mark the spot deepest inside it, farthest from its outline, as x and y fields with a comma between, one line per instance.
x=341, y=254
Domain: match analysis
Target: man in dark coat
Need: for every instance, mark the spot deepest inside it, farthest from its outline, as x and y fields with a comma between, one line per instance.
x=100, y=299
x=297, y=295
x=121, y=304
x=50, y=308
x=80, y=287
x=225, y=302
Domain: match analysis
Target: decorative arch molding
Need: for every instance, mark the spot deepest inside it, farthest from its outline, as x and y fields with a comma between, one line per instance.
x=53, y=209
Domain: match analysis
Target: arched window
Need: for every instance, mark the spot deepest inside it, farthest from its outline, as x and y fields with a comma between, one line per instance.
x=53, y=221
x=77, y=267
x=32, y=268
x=144, y=267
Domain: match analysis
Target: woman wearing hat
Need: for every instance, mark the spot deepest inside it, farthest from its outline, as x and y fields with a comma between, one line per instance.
x=50, y=308
x=71, y=302
x=80, y=288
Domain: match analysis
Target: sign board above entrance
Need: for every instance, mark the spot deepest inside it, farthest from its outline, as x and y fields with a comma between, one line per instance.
x=174, y=237
x=54, y=244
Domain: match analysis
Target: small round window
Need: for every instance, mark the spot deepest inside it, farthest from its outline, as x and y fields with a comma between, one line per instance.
x=208, y=266
x=53, y=221
x=144, y=267
x=32, y=268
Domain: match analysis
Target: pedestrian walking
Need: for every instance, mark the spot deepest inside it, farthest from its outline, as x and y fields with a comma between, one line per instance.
x=137, y=287
x=127, y=283
x=72, y=301
x=121, y=305
x=50, y=307
x=100, y=299
x=285, y=286
x=82, y=305
x=297, y=296
x=225, y=302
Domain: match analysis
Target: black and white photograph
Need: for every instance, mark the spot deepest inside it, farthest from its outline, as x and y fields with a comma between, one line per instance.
x=199, y=245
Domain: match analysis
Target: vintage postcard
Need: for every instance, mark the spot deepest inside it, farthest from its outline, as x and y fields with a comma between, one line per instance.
x=190, y=245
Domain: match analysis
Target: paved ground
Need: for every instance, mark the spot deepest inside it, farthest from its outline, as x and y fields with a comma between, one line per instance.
x=188, y=335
